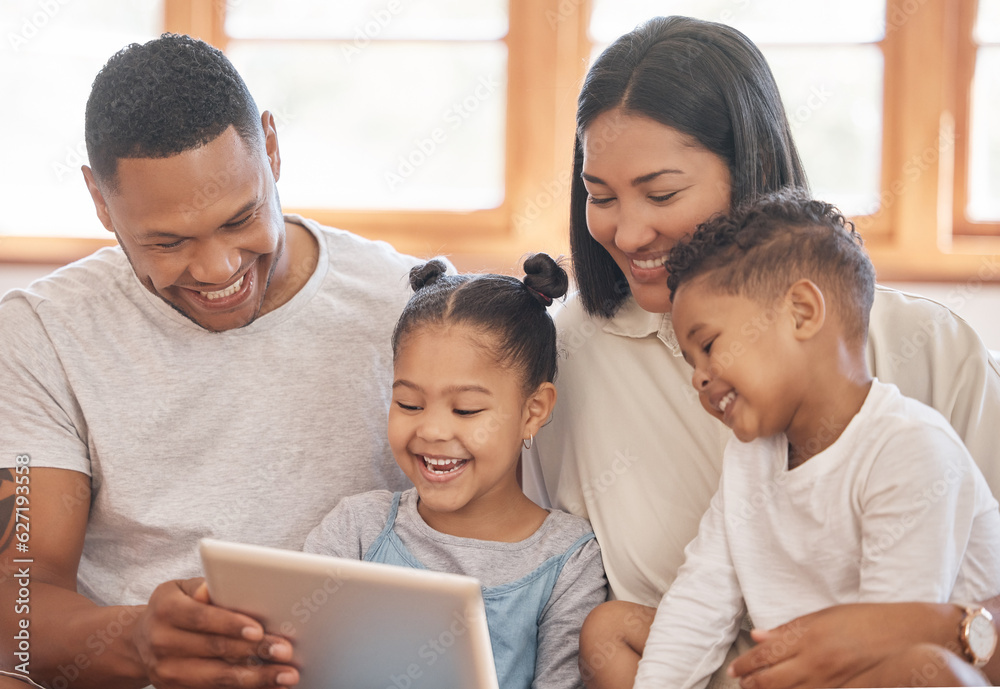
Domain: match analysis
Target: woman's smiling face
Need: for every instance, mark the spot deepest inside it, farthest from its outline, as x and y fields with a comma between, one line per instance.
x=648, y=185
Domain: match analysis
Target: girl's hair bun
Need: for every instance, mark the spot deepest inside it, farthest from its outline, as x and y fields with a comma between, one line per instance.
x=427, y=273
x=544, y=278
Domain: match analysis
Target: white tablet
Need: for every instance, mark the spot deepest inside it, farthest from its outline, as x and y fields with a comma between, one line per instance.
x=358, y=625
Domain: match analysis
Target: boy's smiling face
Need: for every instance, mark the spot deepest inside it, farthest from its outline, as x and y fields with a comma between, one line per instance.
x=745, y=356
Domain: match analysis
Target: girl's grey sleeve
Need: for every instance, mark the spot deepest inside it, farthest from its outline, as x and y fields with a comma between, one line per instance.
x=580, y=588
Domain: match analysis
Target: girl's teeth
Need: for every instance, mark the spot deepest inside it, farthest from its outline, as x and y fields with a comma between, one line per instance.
x=650, y=264
x=232, y=289
x=438, y=465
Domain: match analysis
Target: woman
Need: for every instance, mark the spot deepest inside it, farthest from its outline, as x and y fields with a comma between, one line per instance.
x=677, y=121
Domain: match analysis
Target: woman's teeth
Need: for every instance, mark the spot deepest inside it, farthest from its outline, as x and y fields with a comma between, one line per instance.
x=727, y=400
x=650, y=263
x=232, y=289
x=444, y=466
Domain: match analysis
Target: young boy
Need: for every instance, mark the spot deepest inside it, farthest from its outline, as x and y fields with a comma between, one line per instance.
x=836, y=488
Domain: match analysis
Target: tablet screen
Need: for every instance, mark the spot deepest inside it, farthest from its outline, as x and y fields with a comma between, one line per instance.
x=358, y=625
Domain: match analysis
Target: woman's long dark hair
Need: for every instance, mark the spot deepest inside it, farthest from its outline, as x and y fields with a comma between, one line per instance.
x=705, y=80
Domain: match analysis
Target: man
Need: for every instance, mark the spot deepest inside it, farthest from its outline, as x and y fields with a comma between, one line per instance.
x=225, y=372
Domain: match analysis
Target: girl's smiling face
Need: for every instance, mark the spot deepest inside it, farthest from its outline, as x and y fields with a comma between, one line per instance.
x=648, y=185
x=456, y=422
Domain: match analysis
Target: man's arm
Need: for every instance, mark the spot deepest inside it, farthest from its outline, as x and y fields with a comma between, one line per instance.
x=51, y=631
x=44, y=516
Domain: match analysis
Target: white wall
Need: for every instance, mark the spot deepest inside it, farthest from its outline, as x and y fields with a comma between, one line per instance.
x=976, y=302
x=16, y=275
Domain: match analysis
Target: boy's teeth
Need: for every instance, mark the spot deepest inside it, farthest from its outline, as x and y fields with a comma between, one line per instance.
x=232, y=289
x=651, y=263
x=727, y=400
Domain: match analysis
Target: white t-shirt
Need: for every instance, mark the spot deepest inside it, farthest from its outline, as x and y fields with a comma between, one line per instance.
x=630, y=448
x=894, y=510
x=249, y=435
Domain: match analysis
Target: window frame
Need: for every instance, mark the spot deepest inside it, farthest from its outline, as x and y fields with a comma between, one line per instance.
x=965, y=68
x=546, y=48
x=920, y=231
x=544, y=54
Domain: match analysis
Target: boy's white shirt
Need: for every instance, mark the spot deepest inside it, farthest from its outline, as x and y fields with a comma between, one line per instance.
x=630, y=448
x=894, y=510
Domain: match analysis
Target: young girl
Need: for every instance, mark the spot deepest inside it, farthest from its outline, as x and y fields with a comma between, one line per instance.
x=474, y=361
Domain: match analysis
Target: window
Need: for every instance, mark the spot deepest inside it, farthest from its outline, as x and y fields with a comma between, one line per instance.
x=926, y=227
x=880, y=96
x=827, y=60
x=447, y=126
x=977, y=189
x=440, y=126
x=49, y=56
x=397, y=105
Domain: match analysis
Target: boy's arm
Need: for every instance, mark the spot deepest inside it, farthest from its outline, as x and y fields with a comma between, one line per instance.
x=920, y=519
x=934, y=356
x=700, y=614
x=52, y=631
x=581, y=587
x=918, y=516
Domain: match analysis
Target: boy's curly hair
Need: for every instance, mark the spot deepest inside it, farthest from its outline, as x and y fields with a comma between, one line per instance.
x=759, y=250
x=167, y=96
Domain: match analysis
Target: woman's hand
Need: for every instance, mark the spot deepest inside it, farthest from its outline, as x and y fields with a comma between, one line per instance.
x=831, y=647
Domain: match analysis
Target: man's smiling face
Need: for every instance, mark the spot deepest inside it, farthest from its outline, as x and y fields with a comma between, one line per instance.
x=202, y=229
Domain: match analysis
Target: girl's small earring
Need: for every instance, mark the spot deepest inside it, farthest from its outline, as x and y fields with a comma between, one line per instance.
x=527, y=442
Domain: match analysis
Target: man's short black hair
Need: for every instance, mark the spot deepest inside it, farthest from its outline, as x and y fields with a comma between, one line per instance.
x=761, y=249
x=155, y=100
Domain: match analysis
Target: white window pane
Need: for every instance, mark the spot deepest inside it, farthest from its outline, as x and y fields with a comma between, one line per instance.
x=50, y=57
x=364, y=20
x=833, y=99
x=413, y=126
x=764, y=21
x=984, y=146
x=988, y=22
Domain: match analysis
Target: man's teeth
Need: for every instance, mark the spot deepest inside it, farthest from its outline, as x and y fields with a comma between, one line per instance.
x=651, y=263
x=232, y=289
x=451, y=464
x=727, y=400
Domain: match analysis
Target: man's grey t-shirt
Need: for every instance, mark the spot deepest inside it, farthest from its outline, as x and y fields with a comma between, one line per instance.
x=248, y=435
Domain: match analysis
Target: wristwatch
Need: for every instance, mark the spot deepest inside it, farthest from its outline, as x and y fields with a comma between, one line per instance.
x=977, y=635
